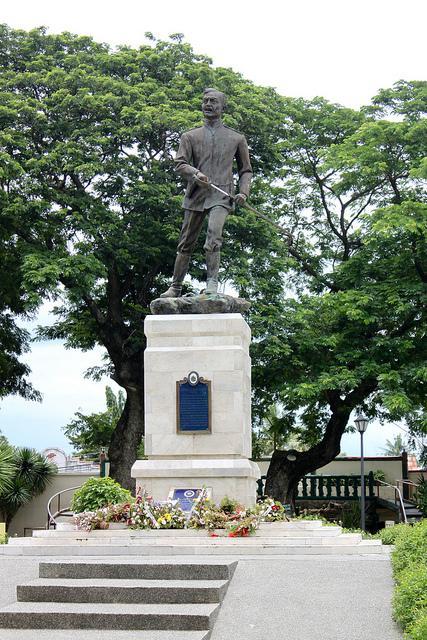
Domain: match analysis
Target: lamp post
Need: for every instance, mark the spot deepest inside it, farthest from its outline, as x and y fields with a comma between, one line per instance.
x=361, y=423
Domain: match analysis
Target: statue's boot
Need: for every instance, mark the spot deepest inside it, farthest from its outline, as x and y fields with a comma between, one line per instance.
x=179, y=272
x=212, y=265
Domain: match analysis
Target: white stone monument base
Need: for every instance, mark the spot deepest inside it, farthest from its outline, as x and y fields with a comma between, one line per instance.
x=232, y=477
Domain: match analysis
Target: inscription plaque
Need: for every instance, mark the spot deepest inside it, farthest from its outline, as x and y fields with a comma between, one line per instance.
x=187, y=497
x=193, y=404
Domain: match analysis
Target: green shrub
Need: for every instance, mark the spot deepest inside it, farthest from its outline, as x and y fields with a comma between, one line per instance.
x=351, y=516
x=379, y=475
x=410, y=597
x=389, y=535
x=421, y=495
x=96, y=493
x=418, y=630
x=411, y=547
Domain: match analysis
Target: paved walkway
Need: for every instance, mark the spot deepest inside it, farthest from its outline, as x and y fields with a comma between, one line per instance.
x=269, y=598
x=309, y=598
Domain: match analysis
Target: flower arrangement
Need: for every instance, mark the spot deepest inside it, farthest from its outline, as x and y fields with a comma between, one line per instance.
x=170, y=516
x=206, y=515
x=244, y=527
x=271, y=510
x=119, y=512
x=89, y=520
x=229, y=515
x=143, y=513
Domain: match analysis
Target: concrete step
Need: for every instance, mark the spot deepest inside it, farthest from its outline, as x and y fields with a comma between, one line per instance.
x=311, y=527
x=127, y=591
x=138, y=571
x=218, y=547
x=268, y=531
x=113, y=536
x=63, y=615
x=218, y=538
x=100, y=634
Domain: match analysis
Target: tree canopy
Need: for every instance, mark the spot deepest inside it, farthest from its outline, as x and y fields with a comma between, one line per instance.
x=351, y=328
x=88, y=138
x=338, y=314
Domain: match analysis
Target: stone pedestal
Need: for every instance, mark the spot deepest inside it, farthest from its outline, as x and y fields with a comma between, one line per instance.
x=216, y=346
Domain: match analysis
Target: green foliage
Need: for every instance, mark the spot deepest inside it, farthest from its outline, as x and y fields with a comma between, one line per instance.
x=389, y=535
x=6, y=466
x=410, y=597
x=89, y=433
x=409, y=561
x=96, y=493
x=272, y=432
x=228, y=505
x=418, y=630
x=350, y=329
x=88, y=135
x=31, y=475
x=338, y=315
x=379, y=474
x=395, y=447
x=421, y=495
x=351, y=516
x=411, y=548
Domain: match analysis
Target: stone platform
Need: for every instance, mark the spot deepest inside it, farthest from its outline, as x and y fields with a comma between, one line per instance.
x=216, y=346
x=277, y=538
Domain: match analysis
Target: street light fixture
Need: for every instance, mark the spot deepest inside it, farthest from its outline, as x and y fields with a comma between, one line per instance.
x=361, y=423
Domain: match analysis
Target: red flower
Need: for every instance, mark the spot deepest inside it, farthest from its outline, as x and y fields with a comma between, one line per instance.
x=213, y=535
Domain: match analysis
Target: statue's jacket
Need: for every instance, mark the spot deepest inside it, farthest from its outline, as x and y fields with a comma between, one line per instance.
x=212, y=151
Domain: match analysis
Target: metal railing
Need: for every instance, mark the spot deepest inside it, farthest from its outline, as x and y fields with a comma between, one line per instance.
x=398, y=500
x=51, y=517
x=409, y=488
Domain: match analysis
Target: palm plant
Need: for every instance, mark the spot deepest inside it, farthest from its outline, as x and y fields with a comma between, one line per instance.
x=31, y=474
x=6, y=466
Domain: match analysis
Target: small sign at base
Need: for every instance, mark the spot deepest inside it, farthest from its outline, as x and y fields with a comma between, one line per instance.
x=186, y=497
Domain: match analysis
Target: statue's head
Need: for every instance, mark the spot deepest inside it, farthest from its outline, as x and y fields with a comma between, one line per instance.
x=214, y=103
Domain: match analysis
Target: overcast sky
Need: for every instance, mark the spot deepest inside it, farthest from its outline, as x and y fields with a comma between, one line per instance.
x=344, y=51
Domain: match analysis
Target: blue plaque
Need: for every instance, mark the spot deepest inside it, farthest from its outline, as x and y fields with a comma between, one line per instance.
x=186, y=497
x=193, y=404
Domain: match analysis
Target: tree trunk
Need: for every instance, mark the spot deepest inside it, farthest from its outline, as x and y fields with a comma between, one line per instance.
x=282, y=478
x=126, y=438
x=283, y=475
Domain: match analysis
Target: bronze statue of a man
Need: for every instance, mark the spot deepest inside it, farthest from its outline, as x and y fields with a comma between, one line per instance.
x=205, y=156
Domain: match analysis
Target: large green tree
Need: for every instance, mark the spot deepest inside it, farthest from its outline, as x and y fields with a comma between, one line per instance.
x=88, y=136
x=350, y=329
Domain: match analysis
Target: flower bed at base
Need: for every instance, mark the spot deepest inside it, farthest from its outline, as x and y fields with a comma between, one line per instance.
x=143, y=512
